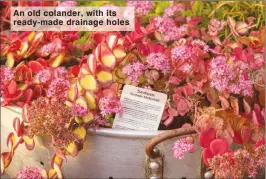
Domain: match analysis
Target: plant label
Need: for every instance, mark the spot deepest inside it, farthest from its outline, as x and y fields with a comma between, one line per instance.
x=142, y=109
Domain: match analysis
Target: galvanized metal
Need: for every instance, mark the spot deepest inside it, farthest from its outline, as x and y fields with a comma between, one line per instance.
x=107, y=153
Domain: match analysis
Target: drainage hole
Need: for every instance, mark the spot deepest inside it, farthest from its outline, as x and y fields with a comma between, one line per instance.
x=111, y=178
x=184, y=178
x=41, y=163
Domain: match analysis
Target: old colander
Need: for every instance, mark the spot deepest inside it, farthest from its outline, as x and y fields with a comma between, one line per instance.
x=110, y=153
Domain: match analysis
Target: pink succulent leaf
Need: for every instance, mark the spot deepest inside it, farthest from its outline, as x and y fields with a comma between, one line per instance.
x=206, y=137
x=60, y=154
x=174, y=80
x=110, y=93
x=246, y=107
x=12, y=87
x=168, y=120
x=182, y=104
x=258, y=111
x=25, y=113
x=28, y=94
x=171, y=114
x=235, y=105
x=245, y=133
x=224, y=102
x=35, y=66
x=254, y=118
x=226, y=135
x=237, y=138
x=207, y=154
x=218, y=146
x=260, y=143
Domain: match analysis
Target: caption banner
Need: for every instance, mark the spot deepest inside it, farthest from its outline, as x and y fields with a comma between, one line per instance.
x=72, y=19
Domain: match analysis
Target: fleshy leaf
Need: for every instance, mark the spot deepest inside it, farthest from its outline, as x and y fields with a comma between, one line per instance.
x=28, y=94
x=107, y=57
x=72, y=149
x=119, y=53
x=24, y=47
x=58, y=59
x=111, y=41
x=72, y=92
x=25, y=113
x=218, y=146
x=17, y=126
x=88, y=117
x=75, y=70
x=224, y=102
x=51, y=174
x=10, y=60
x=56, y=159
x=104, y=78
x=85, y=70
x=81, y=101
x=88, y=82
x=98, y=38
x=6, y=159
x=245, y=133
x=91, y=61
x=35, y=42
x=254, y=119
x=206, y=137
x=206, y=154
x=58, y=170
x=12, y=87
x=60, y=154
x=29, y=142
x=23, y=86
x=44, y=174
x=235, y=105
x=35, y=66
x=10, y=142
x=90, y=100
x=37, y=91
x=81, y=132
x=2, y=164
x=246, y=107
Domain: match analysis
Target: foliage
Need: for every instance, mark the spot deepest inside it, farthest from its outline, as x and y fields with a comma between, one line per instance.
x=206, y=56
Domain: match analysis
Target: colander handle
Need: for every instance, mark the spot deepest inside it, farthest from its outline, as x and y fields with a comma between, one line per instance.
x=149, y=149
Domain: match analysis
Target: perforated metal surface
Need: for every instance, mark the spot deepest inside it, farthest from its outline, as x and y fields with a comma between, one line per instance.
x=104, y=155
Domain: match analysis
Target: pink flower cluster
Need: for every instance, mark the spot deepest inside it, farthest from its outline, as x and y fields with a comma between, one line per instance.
x=238, y=163
x=182, y=53
x=173, y=10
x=141, y=7
x=230, y=78
x=6, y=76
x=159, y=61
x=58, y=88
x=68, y=4
x=190, y=51
x=180, y=147
x=47, y=49
x=134, y=71
x=79, y=110
x=29, y=173
x=169, y=29
x=61, y=72
x=110, y=106
x=44, y=75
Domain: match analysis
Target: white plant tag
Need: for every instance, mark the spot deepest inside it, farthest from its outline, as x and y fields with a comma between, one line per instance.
x=142, y=109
